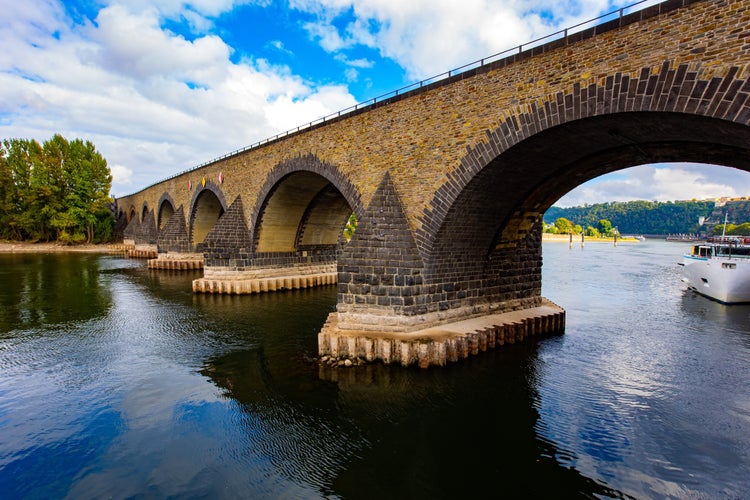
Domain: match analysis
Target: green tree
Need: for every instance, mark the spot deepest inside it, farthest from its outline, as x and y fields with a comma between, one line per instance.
x=605, y=227
x=56, y=190
x=19, y=220
x=593, y=232
x=719, y=229
x=563, y=225
x=741, y=229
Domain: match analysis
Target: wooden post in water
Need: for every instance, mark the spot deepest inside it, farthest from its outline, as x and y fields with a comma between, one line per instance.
x=571, y=241
x=582, y=236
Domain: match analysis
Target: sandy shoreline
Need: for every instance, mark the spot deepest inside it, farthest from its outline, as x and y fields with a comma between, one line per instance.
x=27, y=247
x=565, y=238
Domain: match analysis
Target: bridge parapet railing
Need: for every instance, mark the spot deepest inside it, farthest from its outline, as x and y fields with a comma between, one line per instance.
x=603, y=22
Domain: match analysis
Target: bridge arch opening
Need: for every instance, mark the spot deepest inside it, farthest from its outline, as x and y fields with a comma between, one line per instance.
x=144, y=213
x=166, y=211
x=697, y=187
x=207, y=208
x=491, y=232
x=302, y=210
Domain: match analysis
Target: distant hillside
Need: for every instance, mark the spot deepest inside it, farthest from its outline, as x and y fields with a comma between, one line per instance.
x=648, y=217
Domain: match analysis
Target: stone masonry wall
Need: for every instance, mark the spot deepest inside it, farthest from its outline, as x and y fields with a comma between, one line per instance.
x=142, y=232
x=174, y=237
x=417, y=157
x=421, y=137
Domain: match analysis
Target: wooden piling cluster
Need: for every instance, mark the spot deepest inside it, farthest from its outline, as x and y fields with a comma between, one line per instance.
x=262, y=285
x=440, y=345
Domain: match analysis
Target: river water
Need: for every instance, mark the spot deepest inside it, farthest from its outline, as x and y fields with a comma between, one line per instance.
x=116, y=381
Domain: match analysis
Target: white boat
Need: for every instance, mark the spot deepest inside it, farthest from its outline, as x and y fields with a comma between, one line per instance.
x=720, y=270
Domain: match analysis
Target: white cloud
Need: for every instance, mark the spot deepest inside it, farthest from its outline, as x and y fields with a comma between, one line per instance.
x=279, y=45
x=153, y=102
x=175, y=9
x=427, y=37
x=357, y=63
x=661, y=182
x=121, y=174
x=351, y=74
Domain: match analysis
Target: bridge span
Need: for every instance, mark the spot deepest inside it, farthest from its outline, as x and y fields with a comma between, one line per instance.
x=449, y=181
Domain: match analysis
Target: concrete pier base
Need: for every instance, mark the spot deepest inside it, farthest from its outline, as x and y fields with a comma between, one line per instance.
x=261, y=280
x=262, y=285
x=143, y=252
x=118, y=248
x=177, y=261
x=442, y=344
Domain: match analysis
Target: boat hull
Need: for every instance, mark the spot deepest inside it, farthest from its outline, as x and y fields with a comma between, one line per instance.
x=723, y=279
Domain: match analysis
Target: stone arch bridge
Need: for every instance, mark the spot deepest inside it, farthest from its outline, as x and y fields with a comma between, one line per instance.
x=450, y=180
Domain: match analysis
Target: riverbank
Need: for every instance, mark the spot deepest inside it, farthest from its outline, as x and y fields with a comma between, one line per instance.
x=53, y=247
x=565, y=238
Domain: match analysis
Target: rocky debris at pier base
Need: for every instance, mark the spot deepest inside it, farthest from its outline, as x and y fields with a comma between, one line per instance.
x=343, y=362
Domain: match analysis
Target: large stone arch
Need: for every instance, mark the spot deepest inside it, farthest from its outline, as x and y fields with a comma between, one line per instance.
x=206, y=206
x=479, y=239
x=165, y=209
x=303, y=202
x=543, y=150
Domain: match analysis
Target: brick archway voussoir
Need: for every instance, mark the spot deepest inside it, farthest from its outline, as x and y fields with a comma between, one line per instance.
x=676, y=88
x=307, y=163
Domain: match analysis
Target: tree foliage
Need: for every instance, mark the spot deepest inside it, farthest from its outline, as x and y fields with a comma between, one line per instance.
x=351, y=226
x=733, y=229
x=58, y=190
x=563, y=225
x=643, y=217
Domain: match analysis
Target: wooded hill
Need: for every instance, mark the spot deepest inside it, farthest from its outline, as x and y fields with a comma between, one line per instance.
x=650, y=217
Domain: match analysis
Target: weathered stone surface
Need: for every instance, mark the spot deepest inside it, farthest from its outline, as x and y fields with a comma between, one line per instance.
x=229, y=242
x=449, y=181
x=174, y=236
x=142, y=232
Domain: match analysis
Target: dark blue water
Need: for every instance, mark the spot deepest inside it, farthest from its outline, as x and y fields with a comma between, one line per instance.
x=116, y=381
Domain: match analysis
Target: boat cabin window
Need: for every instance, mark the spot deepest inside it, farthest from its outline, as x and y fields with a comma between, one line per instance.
x=734, y=251
x=704, y=251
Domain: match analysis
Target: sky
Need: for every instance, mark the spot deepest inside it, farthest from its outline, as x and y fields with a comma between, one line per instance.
x=160, y=87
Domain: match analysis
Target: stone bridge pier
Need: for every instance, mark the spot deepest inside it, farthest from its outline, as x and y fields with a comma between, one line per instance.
x=449, y=181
